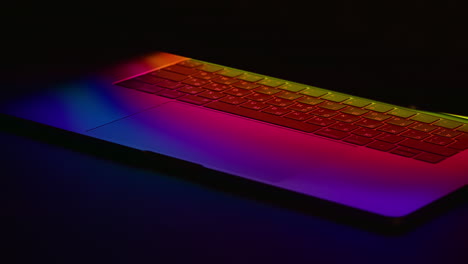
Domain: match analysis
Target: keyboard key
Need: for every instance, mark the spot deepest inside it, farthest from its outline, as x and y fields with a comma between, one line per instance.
x=366, y=132
x=439, y=140
x=280, y=102
x=298, y=116
x=245, y=85
x=358, y=102
x=354, y=111
x=230, y=72
x=324, y=112
x=428, y=147
x=181, y=69
x=424, y=118
x=429, y=157
x=358, y=140
x=415, y=134
x=169, y=75
x=345, y=127
x=216, y=87
x=190, y=89
x=137, y=85
x=392, y=129
x=288, y=95
x=369, y=123
x=250, y=77
x=169, y=84
x=321, y=121
x=225, y=80
x=447, y=123
x=379, y=107
x=300, y=107
x=346, y=118
x=237, y=92
x=332, y=133
x=310, y=100
x=254, y=105
x=259, y=97
x=380, y=145
x=423, y=127
x=405, y=152
x=170, y=93
x=332, y=106
x=205, y=75
x=148, y=78
x=210, y=67
x=212, y=95
x=267, y=90
x=401, y=113
x=376, y=116
x=292, y=87
x=390, y=138
x=271, y=82
x=463, y=128
x=398, y=121
x=461, y=143
x=335, y=97
x=233, y=100
x=195, y=81
x=447, y=133
x=275, y=110
x=190, y=63
x=193, y=99
x=314, y=91
x=281, y=121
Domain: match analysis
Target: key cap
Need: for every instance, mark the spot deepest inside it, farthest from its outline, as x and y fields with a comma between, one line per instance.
x=225, y=80
x=280, y=102
x=331, y=133
x=398, y=121
x=170, y=93
x=439, y=140
x=346, y=118
x=169, y=75
x=369, y=123
x=354, y=111
x=212, y=95
x=210, y=67
x=390, y=138
x=461, y=143
x=250, y=77
x=190, y=89
x=415, y=134
x=310, y=100
x=267, y=90
x=141, y=86
x=401, y=113
x=429, y=157
x=233, y=100
x=423, y=127
x=358, y=140
x=193, y=99
x=216, y=87
x=259, y=97
x=169, y=84
x=292, y=87
x=195, y=81
x=392, y=129
x=447, y=123
x=230, y=72
x=254, y=105
x=405, y=152
x=271, y=82
x=237, y=92
x=424, y=118
x=446, y=133
x=190, y=63
x=332, y=106
x=298, y=116
x=366, y=132
x=344, y=127
x=335, y=97
x=148, y=78
x=378, y=107
x=205, y=75
x=324, y=112
x=275, y=110
x=245, y=85
x=358, y=102
x=288, y=95
x=320, y=121
x=380, y=145
x=300, y=107
x=286, y=122
x=181, y=70
x=314, y=91
x=463, y=128
x=376, y=116
x=428, y=147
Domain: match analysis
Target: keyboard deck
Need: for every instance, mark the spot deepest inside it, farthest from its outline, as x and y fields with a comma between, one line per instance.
x=309, y=109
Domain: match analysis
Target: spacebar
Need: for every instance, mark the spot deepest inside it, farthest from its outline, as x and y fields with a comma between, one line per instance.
x=281, y=121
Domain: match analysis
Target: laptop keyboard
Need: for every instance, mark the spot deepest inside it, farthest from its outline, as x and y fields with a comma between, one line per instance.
x=309, y=109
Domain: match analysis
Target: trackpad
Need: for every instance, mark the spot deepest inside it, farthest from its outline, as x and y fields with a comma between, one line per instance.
x=220, y=141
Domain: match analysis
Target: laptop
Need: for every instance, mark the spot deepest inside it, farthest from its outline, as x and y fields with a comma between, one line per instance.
x=375, y=157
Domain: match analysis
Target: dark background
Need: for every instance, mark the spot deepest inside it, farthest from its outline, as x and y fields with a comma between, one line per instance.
x=72, y=205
